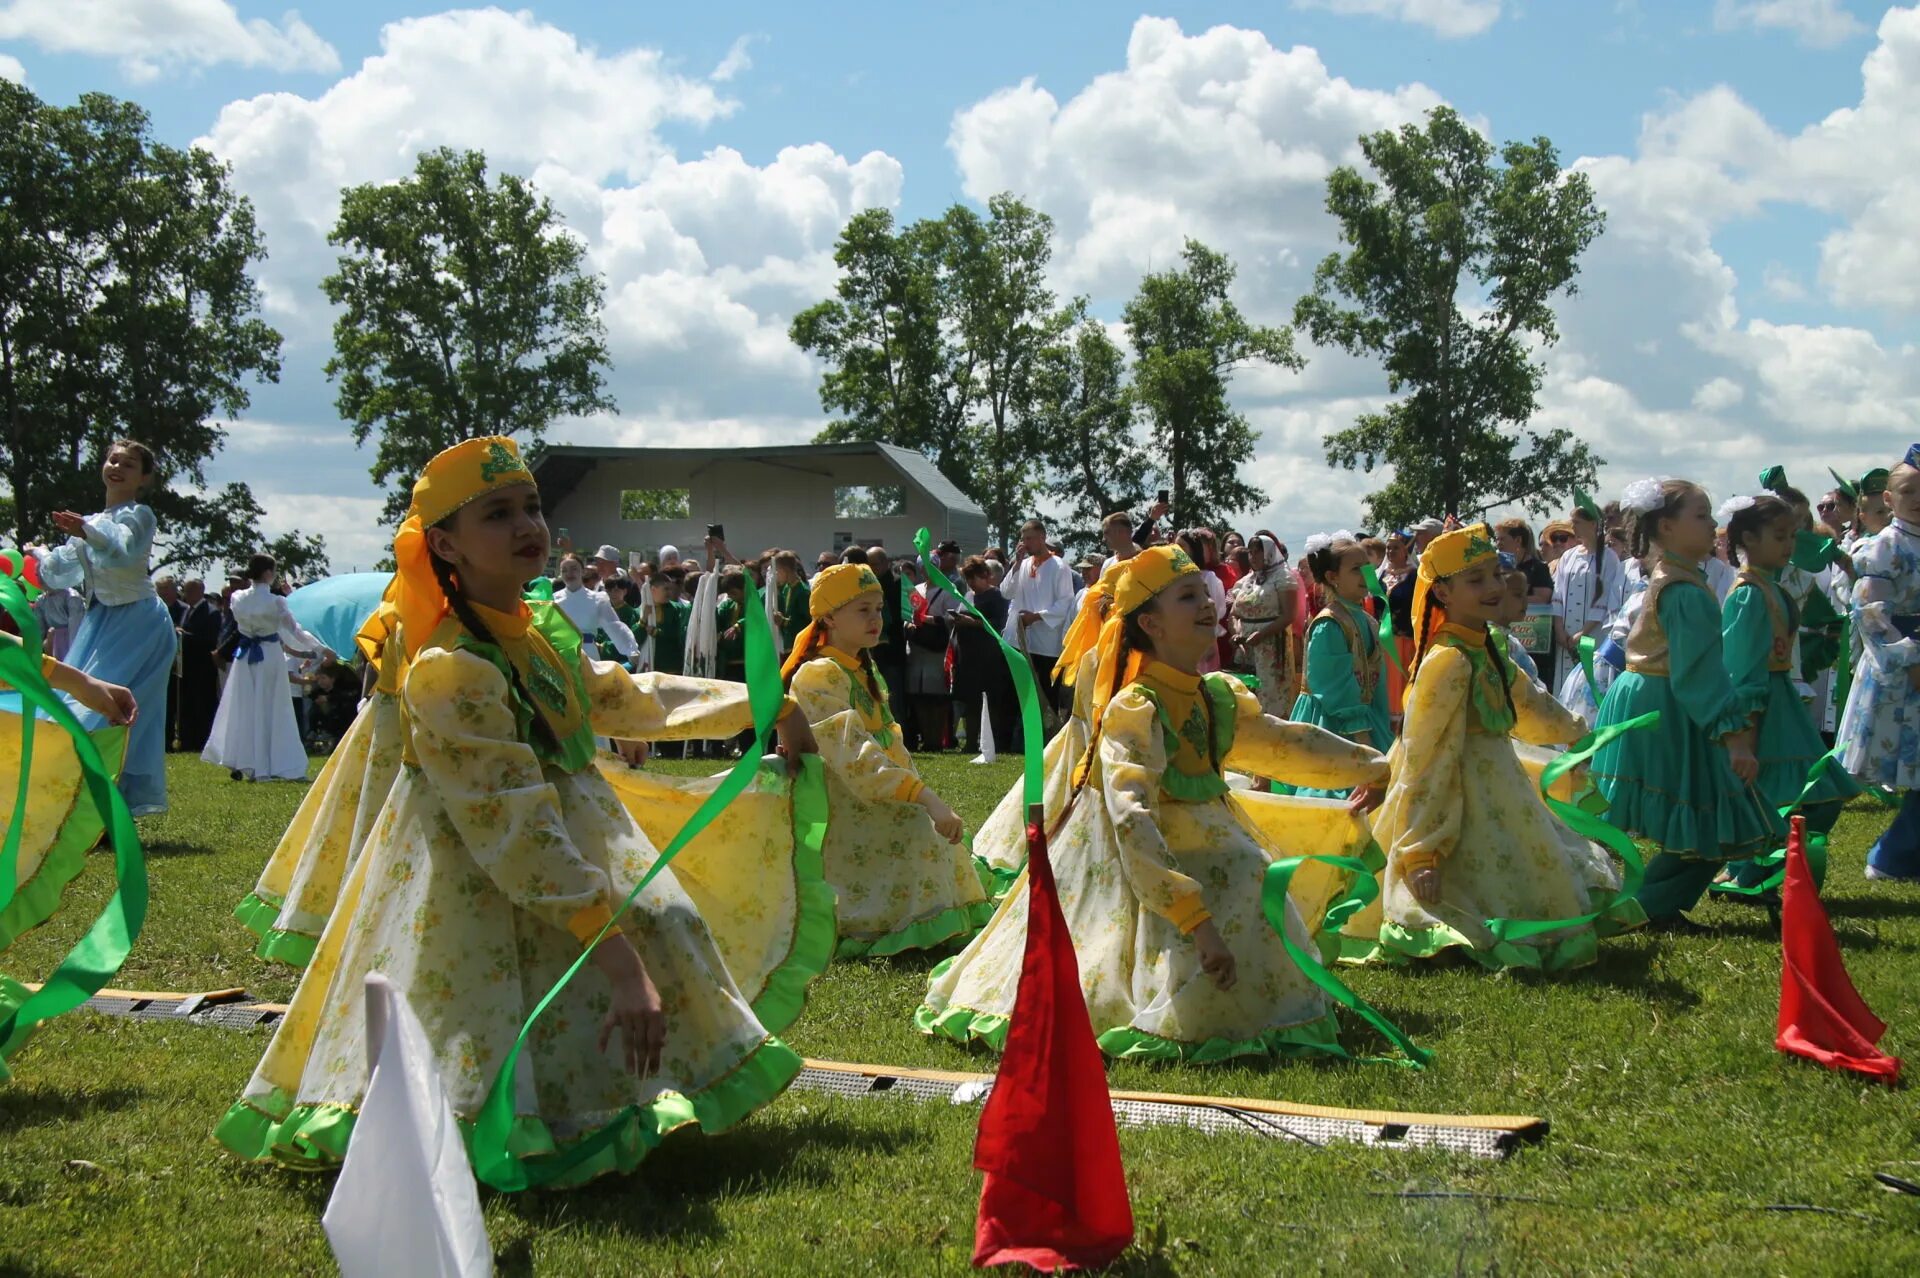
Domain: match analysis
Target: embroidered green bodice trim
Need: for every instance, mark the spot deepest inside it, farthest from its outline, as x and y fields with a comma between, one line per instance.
x=1492, y=674
x=1208, y=729
x=547, y=686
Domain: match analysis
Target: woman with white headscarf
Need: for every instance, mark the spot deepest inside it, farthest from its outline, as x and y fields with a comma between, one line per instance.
x=1262, y=607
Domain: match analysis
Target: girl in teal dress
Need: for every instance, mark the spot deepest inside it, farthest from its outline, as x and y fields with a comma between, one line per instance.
x=1685, y=784
x=1757, y=631
x=1345, y=689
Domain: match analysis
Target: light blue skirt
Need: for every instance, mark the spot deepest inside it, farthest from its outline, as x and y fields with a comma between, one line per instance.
x=132, y=645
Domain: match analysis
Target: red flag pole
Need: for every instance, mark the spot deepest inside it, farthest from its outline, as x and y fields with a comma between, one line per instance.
x=1822, y=1016
x=1055, y=1195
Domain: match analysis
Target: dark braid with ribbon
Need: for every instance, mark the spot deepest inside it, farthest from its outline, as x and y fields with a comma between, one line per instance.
x=457, y=600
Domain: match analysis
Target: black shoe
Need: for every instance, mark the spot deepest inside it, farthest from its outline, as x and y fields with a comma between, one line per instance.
x=1679, y=925
x=234, y=775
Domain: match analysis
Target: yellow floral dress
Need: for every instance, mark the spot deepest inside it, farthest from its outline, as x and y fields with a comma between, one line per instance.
x=1463, y=801
x=1000, y=844
x=493, y=861
x=295, y=895
x=1157, y=844
x=900, y=885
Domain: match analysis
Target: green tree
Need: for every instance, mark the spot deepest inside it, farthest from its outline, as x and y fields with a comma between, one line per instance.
x=1454, y=263
x=1089, y=431
x=465, y=309
x=199, y=530
x=127, y=307
x=932, y=340
x=1188, y=339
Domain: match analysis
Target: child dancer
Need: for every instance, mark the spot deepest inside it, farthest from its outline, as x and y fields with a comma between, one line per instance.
x=1687, y=784
x=1160, y=876
x=289, y=907
x=892, y=850
x=499, y=854
x=1880, y=732
x=1466, y=835
x=1345, y=689
x=1758, y=626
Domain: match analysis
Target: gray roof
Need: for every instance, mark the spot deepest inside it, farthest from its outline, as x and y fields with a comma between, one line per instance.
x=560, y=467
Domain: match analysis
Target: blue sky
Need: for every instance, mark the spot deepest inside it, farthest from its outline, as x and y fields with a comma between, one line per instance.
x=1741, y=280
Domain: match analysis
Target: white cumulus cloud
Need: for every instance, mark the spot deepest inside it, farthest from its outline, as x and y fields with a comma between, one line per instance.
x=149, y=37
x=1820, y=23
x=10, y=69
x=1451, y=18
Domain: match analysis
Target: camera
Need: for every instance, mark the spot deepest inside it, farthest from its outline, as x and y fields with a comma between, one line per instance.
x=716, y=530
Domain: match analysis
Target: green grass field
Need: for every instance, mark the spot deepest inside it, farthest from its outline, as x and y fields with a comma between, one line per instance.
x=1679, y=1141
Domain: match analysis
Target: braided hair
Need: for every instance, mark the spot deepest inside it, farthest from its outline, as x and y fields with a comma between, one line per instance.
x=1751, y=519
x=1499, y=659
x=463, y=609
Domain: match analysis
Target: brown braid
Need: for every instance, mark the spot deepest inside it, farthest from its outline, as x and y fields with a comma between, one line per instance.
x=457, y=600
x=1500, y=666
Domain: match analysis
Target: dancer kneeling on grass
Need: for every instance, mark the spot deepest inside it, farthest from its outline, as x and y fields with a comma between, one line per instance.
x=499, y=854
x=1687, y=784
x=1465, y=832
x=1758, y=626
x=1160, y=868
x=892, y=851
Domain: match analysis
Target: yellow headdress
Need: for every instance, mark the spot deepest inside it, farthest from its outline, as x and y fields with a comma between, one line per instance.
x=831, y=590
x=1445, y=556
x=461, y=474
x=1083, y=635
x=1144, y=577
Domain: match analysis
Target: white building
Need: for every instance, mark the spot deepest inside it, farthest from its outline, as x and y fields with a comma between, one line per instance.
x=803, y=497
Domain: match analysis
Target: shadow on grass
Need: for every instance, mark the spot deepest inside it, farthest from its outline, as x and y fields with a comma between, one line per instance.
x=1874, y=907
x=28, y=1106
x=673, y=1194
x=173, y=847
x=1628, y=970
x=19, y=1265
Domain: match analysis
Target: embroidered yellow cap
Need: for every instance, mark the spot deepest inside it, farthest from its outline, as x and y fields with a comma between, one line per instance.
x=1457, y=551
x=1148, y=573
x=469, y=470
x=836, y=587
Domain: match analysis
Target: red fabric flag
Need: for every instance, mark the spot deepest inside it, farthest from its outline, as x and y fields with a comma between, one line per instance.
x=1822, y=1017
x=1055, y=1196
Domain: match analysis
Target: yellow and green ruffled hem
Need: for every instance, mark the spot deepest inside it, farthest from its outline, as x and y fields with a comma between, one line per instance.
x=292, y=948
x=1319, y=1037
x=1401, y=945
x=956, y=923
x=314, y=1136
x=996, y=880
x=816, y=923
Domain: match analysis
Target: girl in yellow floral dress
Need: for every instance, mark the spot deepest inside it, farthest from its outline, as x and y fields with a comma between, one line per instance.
x=1160, y=866
x=892, y=851
x=500, y=853
x=1466, y=835
x=295, y=895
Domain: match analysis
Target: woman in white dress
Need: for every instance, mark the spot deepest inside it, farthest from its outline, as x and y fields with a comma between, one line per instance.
x=254, y=732
x=1589, y=589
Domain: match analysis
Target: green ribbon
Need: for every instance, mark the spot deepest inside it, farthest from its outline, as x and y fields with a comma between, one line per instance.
x=493, y=1163
x=540, y=591
x=94, y=959
x=1034, y=734
x=1585, y=648
x=1273, y=904
x=1776, y=860
x=1379, y=591
x=1587, y=826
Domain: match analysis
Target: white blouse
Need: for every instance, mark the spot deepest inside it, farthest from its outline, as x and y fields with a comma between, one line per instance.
x=258, y=612
x=109, y=561
x=1589, y=599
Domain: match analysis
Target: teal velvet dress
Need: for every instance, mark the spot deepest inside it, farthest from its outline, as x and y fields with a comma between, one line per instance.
x=1672, y=783
x=1346, y=686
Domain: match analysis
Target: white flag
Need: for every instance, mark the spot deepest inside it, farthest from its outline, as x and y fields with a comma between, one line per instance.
x=406, y=1201
x=987, y=753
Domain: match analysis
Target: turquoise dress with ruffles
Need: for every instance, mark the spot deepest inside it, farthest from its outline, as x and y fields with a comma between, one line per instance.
x=1344, y=692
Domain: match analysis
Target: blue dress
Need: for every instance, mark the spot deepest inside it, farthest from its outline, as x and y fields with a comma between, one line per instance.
x=1880, y=731
x=126, y=637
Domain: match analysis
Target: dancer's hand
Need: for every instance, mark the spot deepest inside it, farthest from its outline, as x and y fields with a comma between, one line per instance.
x=633, y=752
x=112, y=702
x=1365, y=798
x=946, y=822
x=1425, y=885
x=70, y=523
x=795, y=733
x=1216, y=960
x=635, y=1011
x=1740, y=755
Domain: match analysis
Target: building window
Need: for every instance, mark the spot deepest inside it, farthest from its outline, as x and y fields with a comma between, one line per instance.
x=869, y=501
x=656, y=503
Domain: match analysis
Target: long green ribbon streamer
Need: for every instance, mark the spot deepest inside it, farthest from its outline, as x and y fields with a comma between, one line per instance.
x=1378, y=590
x=1587, y=826
x=493, y=1163
x=1022, y=669
x=94, y=959
x=1585, y=647
x=1273, y=904
x=1776, y=860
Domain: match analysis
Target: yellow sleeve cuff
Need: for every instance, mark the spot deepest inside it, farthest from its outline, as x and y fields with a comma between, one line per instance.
x=1188, y=913
x=586, y=924
x=1413, y=861
x=787, y=706
x=909, y=791
x=47, y=665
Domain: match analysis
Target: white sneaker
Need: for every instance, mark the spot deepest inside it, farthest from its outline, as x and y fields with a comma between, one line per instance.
x=1881, y=876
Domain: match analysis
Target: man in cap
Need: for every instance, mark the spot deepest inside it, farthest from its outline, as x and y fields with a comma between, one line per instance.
x=605, y=563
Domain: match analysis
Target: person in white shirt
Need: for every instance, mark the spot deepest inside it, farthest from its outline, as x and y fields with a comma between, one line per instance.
x=256, y=735
x=1589, y=590
x=1040, y=603
x=590, y=611
x=605, y=564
